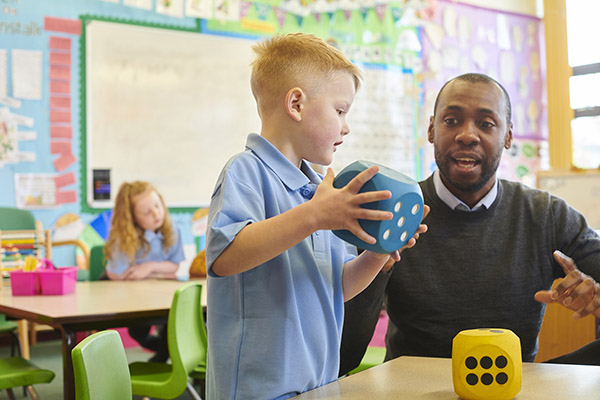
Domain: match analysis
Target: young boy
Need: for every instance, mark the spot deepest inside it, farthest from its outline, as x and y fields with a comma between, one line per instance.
x=277, y=276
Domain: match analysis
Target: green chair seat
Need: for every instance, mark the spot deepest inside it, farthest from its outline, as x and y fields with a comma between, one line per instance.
x=199, y=372
x=373, y=356
x=150, y=373
x=7, y=326
x=17, y=371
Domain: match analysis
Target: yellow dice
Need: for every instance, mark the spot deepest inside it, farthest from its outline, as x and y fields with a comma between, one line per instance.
x=486, y=364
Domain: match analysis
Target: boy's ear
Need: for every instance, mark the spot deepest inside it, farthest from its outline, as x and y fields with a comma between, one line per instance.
x=294, y=103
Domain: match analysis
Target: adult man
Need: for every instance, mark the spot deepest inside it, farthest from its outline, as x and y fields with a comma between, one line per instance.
x=489, y=257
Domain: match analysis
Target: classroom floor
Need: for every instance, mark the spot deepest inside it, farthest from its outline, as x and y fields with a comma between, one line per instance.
x=48, y=354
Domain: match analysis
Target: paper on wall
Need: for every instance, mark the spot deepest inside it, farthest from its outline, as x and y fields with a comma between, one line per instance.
x=199, y=8
x=10, y=102
x=503, y=33
x=227, y=10
x=26, y=135
x=3, y=73
x=449, y=21
x=143, y=4
x=172, y=8
x=27, y=74
x=8, y=138
x=35, y=191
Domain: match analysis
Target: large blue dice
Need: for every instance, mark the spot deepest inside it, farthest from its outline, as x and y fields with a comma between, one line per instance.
x=406, y=204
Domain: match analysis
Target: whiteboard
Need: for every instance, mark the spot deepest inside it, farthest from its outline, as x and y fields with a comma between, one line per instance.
x=166, y=106
x=580, y=189
x=171, y=107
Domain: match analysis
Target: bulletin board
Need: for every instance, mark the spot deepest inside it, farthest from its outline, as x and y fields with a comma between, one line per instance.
x=580, y=189
x=166, y=106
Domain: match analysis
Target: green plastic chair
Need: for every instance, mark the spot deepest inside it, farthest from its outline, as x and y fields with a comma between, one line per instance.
x=187, y=349
x=373, y=356
x=17, y=371
x=198, y=376
x=100, y=368
x=14, y=219
x=97, y=265
x=97, y=262
x=10, y=328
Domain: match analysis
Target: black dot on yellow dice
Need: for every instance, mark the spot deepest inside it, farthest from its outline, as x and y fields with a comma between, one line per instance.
x=487, y=379
x=501, y=362
x=486, y=362
x=472, y=379
x=501, y=378
x=471, y=362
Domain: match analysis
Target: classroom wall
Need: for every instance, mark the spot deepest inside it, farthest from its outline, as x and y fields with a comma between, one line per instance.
x=41, y=41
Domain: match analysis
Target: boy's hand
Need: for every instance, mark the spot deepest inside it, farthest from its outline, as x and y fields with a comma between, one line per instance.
x=395, y=256
x=341, y=208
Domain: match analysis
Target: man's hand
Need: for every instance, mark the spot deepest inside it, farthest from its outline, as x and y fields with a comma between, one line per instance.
x=576, y=291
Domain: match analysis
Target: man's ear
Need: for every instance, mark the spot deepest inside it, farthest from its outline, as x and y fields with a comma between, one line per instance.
x=430, y=129
x=509, y=137
x=294, y=103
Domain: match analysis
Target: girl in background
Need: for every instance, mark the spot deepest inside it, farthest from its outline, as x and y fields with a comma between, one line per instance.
x=143, y=243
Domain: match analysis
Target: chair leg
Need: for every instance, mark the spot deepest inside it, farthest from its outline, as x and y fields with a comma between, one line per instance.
x=15, y=345
x=32, y=393
x=10, y=394
x=192, y=392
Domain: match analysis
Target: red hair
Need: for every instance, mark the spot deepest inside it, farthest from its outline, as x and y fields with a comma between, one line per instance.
x=126, y=236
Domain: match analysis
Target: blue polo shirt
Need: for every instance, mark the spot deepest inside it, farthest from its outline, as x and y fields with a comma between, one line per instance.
x=119, y=261
x=273, y=331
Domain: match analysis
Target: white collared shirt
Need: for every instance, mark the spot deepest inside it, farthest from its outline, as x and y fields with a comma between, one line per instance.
x=455, y=203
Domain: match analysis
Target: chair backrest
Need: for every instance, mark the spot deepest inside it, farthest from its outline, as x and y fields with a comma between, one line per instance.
x=16, y=219
x=97, y=262
x=101, y=368
x=186, y=332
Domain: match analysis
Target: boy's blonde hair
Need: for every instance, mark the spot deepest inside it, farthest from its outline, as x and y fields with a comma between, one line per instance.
x=126, y=235
x=296, y=59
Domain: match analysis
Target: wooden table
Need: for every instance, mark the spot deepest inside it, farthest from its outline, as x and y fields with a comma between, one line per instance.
x=431, y=379
x=94, y=306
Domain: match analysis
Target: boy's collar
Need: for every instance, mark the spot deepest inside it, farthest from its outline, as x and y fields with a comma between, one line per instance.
x=291, y=176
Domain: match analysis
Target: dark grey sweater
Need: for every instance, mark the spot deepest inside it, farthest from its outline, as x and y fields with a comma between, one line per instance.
x=476, y=269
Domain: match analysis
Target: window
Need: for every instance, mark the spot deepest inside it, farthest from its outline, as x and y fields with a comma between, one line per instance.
x=584, y=85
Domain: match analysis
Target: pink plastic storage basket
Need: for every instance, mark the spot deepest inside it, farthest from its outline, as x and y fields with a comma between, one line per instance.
x=24, y=283
x=57, y=281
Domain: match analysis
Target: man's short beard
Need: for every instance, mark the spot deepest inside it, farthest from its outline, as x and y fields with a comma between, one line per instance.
x=469, y=187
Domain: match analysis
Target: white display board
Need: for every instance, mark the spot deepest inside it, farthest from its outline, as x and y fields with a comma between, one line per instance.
x=580, y=189
x=165, y=106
